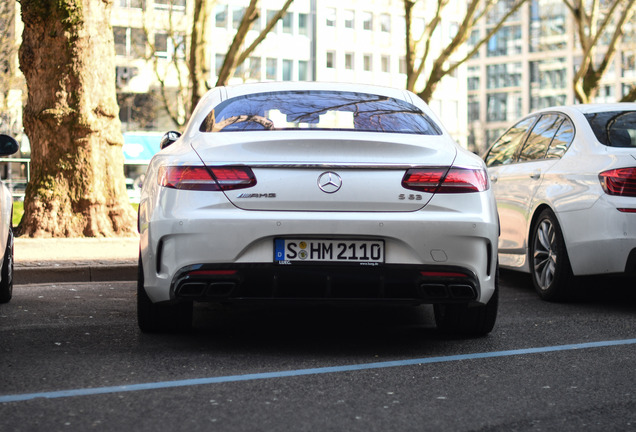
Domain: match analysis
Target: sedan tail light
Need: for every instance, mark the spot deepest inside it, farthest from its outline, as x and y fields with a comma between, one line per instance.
x=621, y=181
x=445, y=180
x=200, y=178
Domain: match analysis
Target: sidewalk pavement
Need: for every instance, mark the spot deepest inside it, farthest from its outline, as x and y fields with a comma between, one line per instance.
x=75, y=260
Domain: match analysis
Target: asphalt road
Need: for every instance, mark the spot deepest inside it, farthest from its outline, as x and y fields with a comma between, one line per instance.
x=72, y=358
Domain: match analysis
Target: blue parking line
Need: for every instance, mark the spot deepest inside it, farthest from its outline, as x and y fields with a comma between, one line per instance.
x=304, y=372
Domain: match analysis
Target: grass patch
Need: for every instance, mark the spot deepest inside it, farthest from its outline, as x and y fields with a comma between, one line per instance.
x=18, y=211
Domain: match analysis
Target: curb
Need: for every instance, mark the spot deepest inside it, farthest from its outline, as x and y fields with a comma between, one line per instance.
x=80, y=273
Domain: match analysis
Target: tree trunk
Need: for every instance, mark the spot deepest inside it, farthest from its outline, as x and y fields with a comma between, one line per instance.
x=199, y=58
x=77, y=185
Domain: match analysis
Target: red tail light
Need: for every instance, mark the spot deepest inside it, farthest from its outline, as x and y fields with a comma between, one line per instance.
x=621, y=181
x=444, y=180
x=199, y=178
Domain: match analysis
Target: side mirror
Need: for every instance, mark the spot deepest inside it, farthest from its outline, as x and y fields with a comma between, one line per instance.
x=168, y=139
x=8, y=145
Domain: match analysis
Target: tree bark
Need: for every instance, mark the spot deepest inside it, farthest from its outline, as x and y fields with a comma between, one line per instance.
x=77, y=185
x=199, y=59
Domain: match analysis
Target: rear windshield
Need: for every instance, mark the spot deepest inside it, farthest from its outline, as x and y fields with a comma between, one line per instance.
x=614, y=128
x=318, y=110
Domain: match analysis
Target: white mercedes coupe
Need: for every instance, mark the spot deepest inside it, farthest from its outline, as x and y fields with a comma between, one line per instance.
x=565, y=182
x=319, y=193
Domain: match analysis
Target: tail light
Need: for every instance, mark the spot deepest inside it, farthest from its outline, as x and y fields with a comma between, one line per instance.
x=621, y=181
x=445, y=180
x=199, y=178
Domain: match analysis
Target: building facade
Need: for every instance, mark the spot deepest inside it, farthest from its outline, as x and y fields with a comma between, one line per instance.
x=530, y=64
x=358, y=41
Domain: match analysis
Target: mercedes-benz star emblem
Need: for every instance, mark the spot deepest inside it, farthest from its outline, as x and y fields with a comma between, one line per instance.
x=329, y=182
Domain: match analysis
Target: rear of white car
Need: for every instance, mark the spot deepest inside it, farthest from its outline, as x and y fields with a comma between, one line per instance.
x=316, y=215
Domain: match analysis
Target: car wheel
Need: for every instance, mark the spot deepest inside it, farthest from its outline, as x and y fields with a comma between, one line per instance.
x=468, y=320
x=155, y=318
x=6, y=281
x=549, y=262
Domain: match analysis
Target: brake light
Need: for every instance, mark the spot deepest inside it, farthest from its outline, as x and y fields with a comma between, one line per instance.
x=199, y=178
x=620, y=181
x=444, y=180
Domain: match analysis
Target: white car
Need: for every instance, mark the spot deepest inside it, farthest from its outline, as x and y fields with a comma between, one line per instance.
x=565, y=183
x=320, y=193
x=8, y=146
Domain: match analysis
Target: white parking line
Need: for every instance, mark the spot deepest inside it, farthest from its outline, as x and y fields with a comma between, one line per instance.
x=303, y=372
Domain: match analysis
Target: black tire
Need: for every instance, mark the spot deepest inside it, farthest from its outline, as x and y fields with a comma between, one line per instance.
x=468, y=320
x=6, y=274
x=160, y=317
x=548, y=259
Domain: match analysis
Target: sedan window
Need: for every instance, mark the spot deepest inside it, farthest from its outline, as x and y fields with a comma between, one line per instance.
x=540, y=137
x=614, y=128
x=505, y=148
x=318, y=110
x=561, y=141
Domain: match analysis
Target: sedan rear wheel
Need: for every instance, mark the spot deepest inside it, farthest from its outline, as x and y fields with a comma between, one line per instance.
x=468, y=320
x=6, y=278
x=549, y=262
x=160, y=317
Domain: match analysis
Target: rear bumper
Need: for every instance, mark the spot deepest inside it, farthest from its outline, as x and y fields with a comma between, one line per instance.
x=325, y=283
x=600, y=240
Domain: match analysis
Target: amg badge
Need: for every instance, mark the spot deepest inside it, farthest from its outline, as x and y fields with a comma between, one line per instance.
x=256, y=195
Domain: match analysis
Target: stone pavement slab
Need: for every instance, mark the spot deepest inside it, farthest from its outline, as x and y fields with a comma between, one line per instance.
x=75, y=260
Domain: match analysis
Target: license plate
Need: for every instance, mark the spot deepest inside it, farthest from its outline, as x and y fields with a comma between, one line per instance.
x=287, y=251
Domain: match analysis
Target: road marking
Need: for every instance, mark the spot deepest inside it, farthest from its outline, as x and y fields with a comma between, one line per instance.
x=303, y=372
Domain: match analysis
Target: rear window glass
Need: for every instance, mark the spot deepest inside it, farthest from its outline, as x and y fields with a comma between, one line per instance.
x=614, y=128
x=318, y=110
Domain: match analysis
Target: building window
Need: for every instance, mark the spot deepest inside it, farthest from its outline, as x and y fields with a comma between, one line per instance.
x=271, y=71
x=385, y=63
x=303, y=24
x=132, y=4
x=218, y=63
x=303, y=70
x=288, y=66
x=161, y=45
x=270, y=16
x=330, y=17
x=473, y=109
x=255, y=68
x=507, y=41
x=402, y=65
x=349, y=61
x=367, y=20
x=288, y=23
x=502, y=75
x=331, y=59
x=239, y=72
x=349, y=18
x=385, y=23
x=237, y=17
x=366, y=62
x=221, y=16
x=174, y=5
x=129, y=42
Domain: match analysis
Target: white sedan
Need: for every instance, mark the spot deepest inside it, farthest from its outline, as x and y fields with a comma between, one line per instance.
x=565, y=183
x=8, y=146
x=320, y=193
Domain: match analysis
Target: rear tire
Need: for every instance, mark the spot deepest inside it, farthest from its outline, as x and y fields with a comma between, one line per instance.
x=6, y=281
x=549, y=262
x=160, y=317
x=465, y=320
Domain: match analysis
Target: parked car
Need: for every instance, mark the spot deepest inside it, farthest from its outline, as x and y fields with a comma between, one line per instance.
x=8, y=146
x=320, y=193
x=565, y=183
